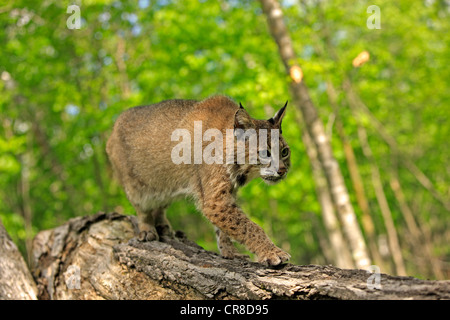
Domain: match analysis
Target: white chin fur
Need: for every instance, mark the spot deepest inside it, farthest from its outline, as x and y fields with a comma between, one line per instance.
x=271, y=182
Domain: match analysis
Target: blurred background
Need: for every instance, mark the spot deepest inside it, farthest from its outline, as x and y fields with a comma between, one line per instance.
x=387, y=116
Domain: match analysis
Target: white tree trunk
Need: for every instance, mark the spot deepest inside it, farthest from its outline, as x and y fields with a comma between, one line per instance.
x=316, y=130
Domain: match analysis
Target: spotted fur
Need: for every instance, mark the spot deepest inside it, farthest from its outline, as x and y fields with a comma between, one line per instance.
x=140, y=153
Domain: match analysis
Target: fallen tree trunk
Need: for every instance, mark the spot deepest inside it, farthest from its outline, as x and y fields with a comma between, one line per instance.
x=97, y=257
x=16, y=282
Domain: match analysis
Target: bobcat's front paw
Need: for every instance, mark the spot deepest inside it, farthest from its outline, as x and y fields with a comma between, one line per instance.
x=273, y=257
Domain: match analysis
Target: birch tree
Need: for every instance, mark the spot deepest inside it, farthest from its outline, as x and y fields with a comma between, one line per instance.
x=316, y=130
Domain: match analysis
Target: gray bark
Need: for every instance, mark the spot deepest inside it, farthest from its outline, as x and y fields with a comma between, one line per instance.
x=97, y=257
x=16, y=282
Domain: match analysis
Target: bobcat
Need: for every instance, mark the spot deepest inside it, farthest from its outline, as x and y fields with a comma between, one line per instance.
x=140, y=150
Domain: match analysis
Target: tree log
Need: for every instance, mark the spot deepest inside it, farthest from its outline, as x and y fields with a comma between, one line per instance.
x=16, y=282
x=97, y=257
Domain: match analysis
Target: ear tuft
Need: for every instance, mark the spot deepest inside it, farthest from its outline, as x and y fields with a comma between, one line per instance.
x=278, y=117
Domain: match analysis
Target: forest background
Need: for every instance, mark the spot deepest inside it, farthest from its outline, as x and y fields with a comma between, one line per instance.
x=387, y=118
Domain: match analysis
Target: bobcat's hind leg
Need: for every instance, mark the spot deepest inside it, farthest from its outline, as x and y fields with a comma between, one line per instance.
x=147, y=229
x=162, y=224
x=226, y=246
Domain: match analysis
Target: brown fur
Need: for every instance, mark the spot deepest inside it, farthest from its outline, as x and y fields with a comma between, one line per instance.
x=140, y=152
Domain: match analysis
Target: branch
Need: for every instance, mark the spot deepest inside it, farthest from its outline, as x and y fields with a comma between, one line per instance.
x=98, y=258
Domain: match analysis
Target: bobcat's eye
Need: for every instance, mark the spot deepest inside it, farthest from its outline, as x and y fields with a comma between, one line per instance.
x=265, y=154
x=285, y=152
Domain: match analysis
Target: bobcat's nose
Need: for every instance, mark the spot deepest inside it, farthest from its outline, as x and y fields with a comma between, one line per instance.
x=282, y=171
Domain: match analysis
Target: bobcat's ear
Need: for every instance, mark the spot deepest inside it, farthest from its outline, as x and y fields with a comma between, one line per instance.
x=278, y=117
x=242, y=119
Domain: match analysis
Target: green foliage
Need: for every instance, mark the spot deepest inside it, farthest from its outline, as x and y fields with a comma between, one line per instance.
x=62, y=89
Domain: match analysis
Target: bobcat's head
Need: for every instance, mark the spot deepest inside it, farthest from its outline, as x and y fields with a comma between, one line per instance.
x=267, y=154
